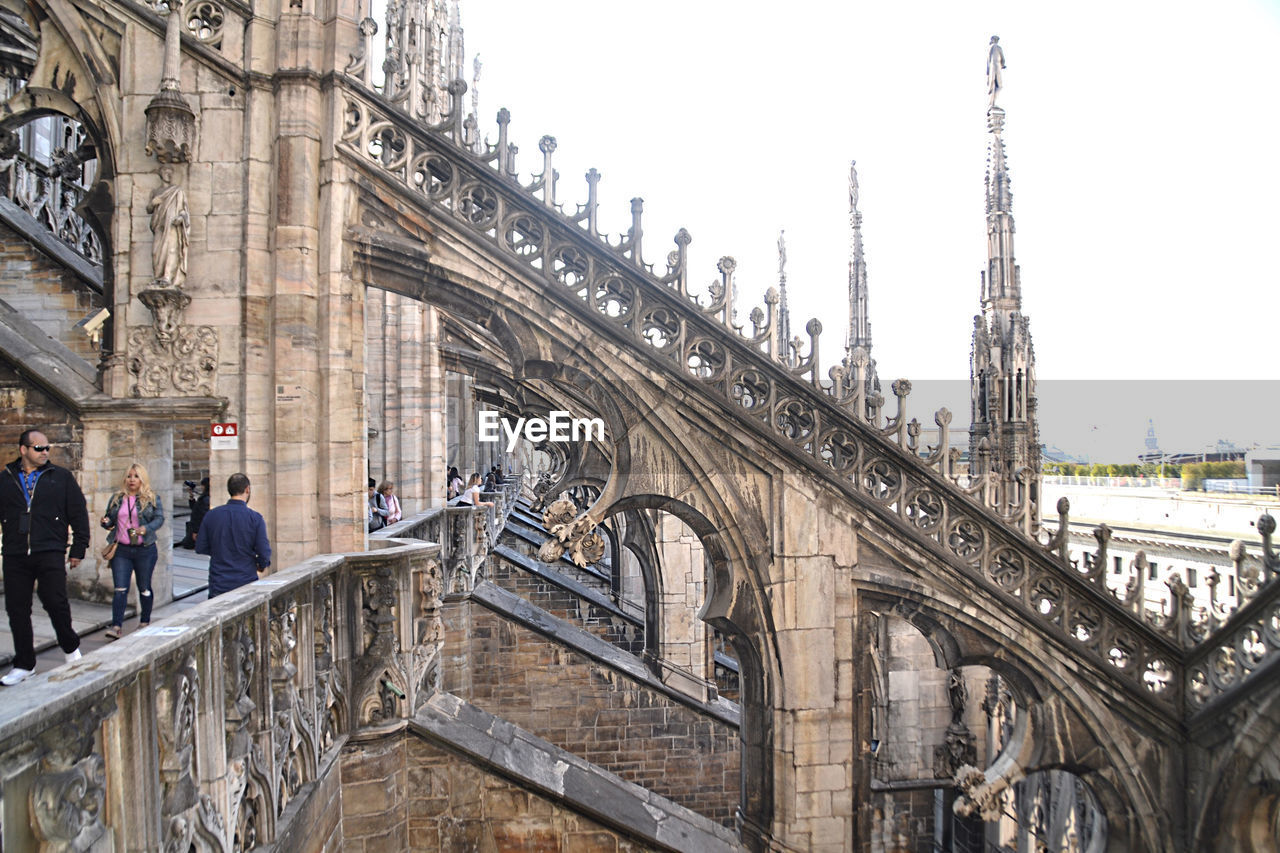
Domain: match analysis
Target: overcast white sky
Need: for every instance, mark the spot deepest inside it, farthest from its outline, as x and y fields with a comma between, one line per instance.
x=1141, y=137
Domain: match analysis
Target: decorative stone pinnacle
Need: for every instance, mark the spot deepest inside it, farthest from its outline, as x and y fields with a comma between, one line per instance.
x=171, y=124
x=995, y=120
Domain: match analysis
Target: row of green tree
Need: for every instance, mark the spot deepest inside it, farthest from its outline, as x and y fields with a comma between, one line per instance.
x=1193, y=474
x=1099, y=469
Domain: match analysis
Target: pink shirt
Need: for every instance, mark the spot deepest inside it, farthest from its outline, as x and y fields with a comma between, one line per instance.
x=126, y=519
x=393, y=508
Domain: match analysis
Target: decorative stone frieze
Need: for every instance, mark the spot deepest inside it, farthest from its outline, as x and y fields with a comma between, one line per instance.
x=68, y=794
x=292, y=738
x=183, y=362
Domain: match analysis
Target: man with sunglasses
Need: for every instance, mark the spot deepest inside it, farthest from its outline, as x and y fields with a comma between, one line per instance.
x=38, y=503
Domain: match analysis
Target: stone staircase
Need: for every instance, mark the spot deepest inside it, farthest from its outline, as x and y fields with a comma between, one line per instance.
x=550, y=655
x=578, y=595
x=545, y=777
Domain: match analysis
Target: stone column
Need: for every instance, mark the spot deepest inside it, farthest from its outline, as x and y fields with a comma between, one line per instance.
x=462, y=424
x=379, y=343
x=682, y=559
x=433, y=396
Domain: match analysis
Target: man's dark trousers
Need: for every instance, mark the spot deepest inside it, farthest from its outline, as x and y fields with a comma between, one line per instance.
x=46, y=573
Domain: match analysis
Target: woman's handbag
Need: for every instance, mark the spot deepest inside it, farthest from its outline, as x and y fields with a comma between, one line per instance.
x=109, y=551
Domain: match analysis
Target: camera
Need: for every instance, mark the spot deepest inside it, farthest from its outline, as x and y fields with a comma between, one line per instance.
x=190, y=484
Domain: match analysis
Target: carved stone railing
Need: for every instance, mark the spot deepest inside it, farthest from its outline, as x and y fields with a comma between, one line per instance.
x=241, y=703
x=816, y=424
x=1238, y=643
x=42, y=192
x=613, y=278
x=467, y=534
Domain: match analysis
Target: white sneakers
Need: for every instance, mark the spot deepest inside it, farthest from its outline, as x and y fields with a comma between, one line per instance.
x=17, y=676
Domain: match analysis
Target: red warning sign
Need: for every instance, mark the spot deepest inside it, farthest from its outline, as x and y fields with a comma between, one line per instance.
x=224, y=436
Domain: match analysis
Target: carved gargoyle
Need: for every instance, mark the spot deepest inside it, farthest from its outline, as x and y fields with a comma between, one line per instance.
x=573, y=533
x=977, y=796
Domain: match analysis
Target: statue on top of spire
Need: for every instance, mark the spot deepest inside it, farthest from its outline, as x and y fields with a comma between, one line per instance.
x=995, y=65
x=853, y=185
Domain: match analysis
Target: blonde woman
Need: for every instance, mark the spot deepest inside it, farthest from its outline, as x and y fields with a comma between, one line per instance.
x=472, y=494
x=133, y=516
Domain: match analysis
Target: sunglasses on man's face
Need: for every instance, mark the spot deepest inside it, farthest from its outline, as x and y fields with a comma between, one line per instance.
x=40, y=448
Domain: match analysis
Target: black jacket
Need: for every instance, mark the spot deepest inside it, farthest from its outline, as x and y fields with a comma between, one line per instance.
x=56, y=504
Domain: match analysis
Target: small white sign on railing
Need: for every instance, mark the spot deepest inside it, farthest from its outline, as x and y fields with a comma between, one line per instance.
x=162, y=631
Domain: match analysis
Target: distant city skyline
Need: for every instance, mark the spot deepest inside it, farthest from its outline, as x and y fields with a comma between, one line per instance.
x=1106, y=420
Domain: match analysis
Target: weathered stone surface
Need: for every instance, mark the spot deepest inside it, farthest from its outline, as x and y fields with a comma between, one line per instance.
x=566, y=779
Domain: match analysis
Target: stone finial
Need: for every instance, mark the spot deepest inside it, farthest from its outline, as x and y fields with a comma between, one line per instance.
x=171, y=124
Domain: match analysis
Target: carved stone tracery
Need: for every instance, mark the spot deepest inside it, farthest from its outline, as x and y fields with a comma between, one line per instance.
x=247, y=786
x=68, y=806
x=330, y=694
x=68, y=795
x=292, y=736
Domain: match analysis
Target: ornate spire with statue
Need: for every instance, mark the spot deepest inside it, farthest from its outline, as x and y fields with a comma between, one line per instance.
x=1003, y=435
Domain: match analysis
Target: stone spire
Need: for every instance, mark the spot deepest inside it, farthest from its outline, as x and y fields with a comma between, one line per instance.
x=859, y=320
x=784, y=313
x=1003, y=436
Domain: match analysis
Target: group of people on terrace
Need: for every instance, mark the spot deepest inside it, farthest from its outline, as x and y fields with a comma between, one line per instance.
x=42, y=508
x=45, y=521
x=469, y=493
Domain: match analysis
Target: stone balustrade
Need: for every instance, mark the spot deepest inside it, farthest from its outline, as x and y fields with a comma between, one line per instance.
x=220, y=727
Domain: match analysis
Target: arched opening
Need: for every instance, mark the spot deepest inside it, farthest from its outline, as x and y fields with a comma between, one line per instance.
x=732, y=625
x=935, y=718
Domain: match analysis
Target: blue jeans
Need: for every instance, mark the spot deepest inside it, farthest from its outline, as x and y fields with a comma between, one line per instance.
x=132, y=560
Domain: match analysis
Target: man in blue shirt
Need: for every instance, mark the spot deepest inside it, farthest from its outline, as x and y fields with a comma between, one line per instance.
x=235, y=538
